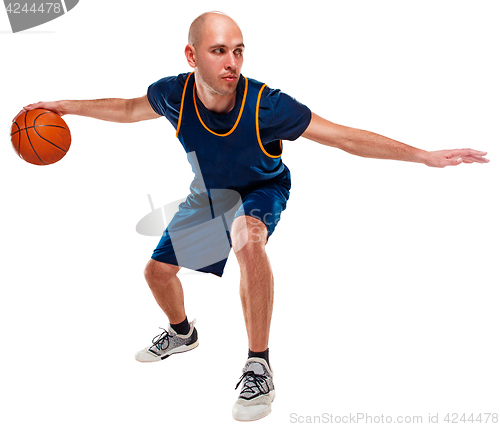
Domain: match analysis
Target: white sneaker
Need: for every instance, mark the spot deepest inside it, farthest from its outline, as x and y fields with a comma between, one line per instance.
x=167, y=343
x=257, y=392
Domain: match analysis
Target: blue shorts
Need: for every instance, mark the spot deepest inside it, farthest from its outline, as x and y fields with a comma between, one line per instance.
x=198, y=237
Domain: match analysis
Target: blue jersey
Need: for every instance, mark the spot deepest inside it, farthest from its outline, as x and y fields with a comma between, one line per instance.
x=236, y=159
x=281, y=117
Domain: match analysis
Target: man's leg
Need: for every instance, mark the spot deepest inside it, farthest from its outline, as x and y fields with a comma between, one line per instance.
x=249, y=237
x=166, y=288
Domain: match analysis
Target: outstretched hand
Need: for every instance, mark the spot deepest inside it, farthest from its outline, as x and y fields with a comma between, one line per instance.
x=443, y=158
x=52, y=106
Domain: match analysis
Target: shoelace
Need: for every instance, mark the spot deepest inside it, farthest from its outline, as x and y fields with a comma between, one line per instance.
x=159, y=340
x=253, y=381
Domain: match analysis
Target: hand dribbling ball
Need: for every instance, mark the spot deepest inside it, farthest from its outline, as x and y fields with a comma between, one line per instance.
x=40, y=137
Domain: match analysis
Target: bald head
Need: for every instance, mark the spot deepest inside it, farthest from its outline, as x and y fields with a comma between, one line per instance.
x=215, y=51
x=207, y=19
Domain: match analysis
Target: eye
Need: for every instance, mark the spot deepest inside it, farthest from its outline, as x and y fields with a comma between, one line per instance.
x=219, y=50
x=238, y=52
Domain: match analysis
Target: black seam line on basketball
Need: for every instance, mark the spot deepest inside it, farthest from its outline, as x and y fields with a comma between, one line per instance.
x=45, y=112
x=29, y=127
x=50, y=142
x=38, y=126
x=29, y=140
x=19, y=143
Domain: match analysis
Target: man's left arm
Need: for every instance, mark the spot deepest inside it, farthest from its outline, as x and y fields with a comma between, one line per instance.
x=368, y=144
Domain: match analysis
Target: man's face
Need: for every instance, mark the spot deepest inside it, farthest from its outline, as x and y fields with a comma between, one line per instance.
x=219, y=56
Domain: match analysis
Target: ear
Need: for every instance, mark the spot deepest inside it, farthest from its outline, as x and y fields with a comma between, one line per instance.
x=190, y=53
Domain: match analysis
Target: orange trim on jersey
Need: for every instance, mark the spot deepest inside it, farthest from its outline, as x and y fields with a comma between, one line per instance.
x=239, y=115
x=182, y=106
x=257, y=126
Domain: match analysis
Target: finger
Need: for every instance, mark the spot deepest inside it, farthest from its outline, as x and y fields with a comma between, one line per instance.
x=470, y=152
x=27, y=108
x=477, y=153
x=18, y=114
x=476, y=159
x=469, y=156
x=34, y=106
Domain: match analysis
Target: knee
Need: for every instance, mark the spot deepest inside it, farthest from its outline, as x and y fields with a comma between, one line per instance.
x=157, y=273
x=248, y=236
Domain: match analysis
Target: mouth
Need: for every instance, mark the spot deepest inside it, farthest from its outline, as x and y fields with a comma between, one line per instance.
x=230, y=78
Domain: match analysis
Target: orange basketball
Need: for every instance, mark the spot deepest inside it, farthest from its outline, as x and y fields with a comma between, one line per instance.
x=40, y=137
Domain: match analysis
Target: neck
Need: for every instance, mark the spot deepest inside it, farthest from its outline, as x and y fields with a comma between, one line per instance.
x=214, y=102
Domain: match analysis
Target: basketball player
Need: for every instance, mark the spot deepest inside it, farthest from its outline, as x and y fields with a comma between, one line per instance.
x=232, y=127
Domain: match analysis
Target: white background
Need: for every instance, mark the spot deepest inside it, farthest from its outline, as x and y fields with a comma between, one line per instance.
x=387, y=277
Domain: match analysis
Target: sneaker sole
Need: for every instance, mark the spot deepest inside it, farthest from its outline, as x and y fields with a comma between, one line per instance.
x=181, y=349
x=249, y=411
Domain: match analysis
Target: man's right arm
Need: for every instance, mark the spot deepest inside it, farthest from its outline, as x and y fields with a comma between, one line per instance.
x=111, y=109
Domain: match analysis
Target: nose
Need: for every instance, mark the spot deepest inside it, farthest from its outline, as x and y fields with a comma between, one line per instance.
x=231, y=63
